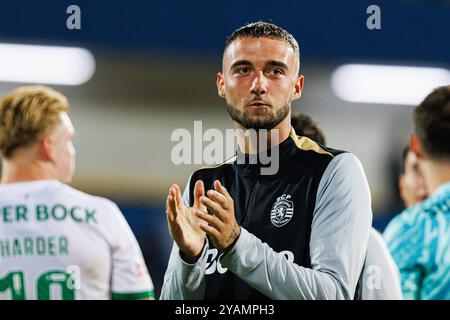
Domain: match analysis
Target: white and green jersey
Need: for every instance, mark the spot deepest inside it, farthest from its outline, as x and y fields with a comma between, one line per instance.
x=60, y=243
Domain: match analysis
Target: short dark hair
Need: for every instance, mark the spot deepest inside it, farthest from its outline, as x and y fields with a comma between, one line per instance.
x=262, y=29
x=305, y=126
x=432, y=123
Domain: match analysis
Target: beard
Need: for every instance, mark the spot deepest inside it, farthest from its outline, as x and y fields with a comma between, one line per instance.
x=268, y=123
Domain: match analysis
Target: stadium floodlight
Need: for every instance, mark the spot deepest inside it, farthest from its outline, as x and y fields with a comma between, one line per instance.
x=70, y=66
x=384, y=84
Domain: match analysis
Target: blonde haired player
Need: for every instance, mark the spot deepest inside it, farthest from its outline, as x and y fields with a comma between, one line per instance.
x=57, y=242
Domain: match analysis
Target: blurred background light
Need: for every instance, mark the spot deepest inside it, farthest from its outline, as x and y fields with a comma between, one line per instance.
x=386, y=84
x=45, y=64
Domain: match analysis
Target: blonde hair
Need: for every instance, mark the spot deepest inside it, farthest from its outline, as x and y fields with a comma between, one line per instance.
x=28, y=114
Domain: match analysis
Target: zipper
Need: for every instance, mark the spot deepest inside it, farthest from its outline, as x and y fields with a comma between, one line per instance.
x=254, y=185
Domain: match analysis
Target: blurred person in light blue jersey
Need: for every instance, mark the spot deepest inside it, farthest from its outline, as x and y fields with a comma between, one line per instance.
x=419, y=237
x=380, y=278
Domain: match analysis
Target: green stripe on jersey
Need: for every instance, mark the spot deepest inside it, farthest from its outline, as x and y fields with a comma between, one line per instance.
x=133, y=296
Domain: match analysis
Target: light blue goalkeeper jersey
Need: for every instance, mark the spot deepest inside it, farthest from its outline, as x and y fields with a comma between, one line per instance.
x=419, y=241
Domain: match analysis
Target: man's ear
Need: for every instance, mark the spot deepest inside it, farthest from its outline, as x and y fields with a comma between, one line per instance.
x=298, y=87
x=401, y=183
x=220, y=85
x=415, y=146
x=45, y=149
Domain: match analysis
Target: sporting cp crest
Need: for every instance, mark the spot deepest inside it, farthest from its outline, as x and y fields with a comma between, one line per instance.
x=282, y=211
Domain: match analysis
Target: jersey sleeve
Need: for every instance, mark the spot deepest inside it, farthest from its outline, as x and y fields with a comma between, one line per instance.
x=381, y=280
x=129, y=276
x=182, y=280
x=405, y=240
